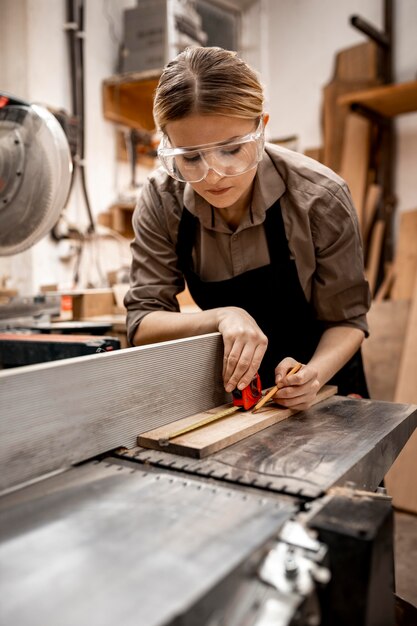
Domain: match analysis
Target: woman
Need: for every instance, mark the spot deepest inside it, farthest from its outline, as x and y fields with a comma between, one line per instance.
x=266, y=239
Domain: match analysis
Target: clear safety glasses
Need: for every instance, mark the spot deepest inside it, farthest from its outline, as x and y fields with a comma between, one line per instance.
x=226, y=158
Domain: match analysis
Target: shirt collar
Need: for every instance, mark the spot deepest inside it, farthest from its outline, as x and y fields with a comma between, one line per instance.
x=268, y=188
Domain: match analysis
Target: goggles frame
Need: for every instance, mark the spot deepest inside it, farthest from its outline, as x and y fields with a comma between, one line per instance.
x=166, y=152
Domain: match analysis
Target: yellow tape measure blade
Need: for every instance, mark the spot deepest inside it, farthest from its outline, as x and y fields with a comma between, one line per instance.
x=164, y=441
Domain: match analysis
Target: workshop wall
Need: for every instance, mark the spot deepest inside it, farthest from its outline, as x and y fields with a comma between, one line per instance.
x=303, y=37
x=294, y=55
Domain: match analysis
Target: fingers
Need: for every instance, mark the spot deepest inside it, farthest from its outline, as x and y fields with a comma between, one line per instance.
x=296, y=391
x=244, y=347
x=283, y=372
x=241, y=365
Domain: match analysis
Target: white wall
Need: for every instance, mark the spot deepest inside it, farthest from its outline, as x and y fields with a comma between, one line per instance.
x=298, y=40
x=303, y=37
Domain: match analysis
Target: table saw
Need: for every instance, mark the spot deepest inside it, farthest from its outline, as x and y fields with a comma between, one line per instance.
x=287, y=526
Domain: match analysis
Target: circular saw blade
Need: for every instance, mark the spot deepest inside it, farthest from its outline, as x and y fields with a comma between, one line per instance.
x=35, y=175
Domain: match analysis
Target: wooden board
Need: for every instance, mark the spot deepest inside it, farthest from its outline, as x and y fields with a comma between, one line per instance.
x=218, y=435
x=374, y=254
x=355, y=69
x=388, y=100
x=406, y=257
x=373, y=197
x=401, y=479
x=384, y=290
x=382, y=350
x=355, y=159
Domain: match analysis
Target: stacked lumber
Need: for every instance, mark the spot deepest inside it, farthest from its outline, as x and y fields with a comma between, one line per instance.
x=356, y=69
x=401, y=479
x=390, y=319
x=348, y=146
x=352, y=147
x=390, y=353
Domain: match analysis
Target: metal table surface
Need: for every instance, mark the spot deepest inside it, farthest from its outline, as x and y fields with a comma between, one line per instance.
x=340, y=439
x=107, y=543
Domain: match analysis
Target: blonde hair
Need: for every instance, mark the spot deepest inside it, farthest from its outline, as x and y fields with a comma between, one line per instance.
x=207, y=81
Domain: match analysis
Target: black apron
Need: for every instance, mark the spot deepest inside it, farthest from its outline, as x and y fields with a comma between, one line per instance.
x=273, y=296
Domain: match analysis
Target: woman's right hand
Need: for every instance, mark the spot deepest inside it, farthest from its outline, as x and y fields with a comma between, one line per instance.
x=244, y=346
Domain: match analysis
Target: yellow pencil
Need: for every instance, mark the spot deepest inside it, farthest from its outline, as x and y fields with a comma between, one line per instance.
x=273, y=391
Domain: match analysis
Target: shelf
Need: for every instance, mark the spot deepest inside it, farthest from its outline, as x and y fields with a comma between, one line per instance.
x=388, y=100
x=128, y=99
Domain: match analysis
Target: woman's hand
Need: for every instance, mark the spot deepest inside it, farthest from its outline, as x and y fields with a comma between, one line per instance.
x=299, y=390
x=244, y=347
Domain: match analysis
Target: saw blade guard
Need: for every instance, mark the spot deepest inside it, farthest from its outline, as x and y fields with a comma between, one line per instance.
x=35, y=175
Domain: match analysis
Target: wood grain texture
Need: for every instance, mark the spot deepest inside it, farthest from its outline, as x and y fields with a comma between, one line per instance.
x=406, y=257
x=337, y=440
x=373, y=197
x=355, y=159
x=374, y=254
x=355, y=69
x=388, y=100
x=382, y=350
x=218, y=435
x=401, y=480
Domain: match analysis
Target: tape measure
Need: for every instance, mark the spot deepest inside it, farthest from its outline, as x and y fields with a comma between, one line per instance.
x=242, y=399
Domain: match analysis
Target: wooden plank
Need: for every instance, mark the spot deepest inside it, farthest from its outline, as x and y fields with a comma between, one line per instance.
x=218, y=435
x=63, y=412
x=374, y=254
x=382, y=350
x=388, y=100
x=357, y=63
x=406, y=390
x=401, y=479
x=355, y=69
x=355, y=159
x=334, y=120
x=406, y=257
x=373, y=196
x=384, y=289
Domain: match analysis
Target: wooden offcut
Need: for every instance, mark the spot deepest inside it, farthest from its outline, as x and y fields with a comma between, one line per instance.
x=387, y=100
x=218, y=435
x=382, y=350
x=355, y=69
x=401, y=479
x=406, y=257
x=374, y=254
x=355, y=159
x=373, y=197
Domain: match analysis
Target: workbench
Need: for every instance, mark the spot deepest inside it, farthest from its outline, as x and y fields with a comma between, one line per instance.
x=287, y=525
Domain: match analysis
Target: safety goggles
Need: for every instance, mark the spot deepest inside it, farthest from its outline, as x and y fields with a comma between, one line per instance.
x=226, y=158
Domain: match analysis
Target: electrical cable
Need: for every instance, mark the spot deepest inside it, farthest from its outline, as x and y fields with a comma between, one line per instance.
x=80, y=40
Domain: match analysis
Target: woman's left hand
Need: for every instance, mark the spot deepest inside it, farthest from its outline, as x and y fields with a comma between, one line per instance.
x=299, y=390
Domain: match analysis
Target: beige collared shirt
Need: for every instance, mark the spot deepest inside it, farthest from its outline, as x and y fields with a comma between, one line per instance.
x=320, y=223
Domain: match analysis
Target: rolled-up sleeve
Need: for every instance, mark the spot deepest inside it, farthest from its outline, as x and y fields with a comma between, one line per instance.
x=155, y=279
x=340, y=291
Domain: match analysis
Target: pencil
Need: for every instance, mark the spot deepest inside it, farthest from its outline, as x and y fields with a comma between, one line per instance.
x=273, y=391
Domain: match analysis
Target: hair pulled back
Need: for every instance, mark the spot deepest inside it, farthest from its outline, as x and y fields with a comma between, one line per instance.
x=207, y=81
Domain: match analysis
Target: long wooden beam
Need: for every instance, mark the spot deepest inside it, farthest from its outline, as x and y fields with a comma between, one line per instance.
x=54, y=415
